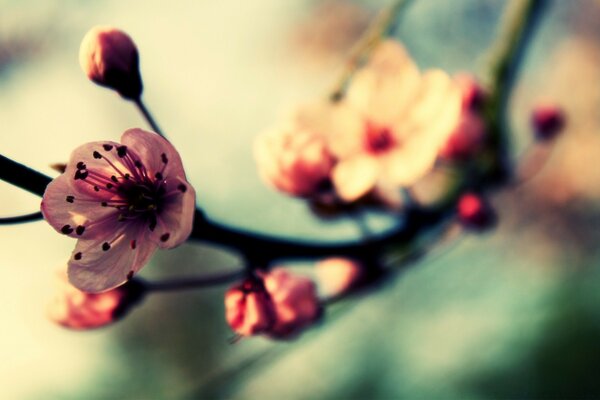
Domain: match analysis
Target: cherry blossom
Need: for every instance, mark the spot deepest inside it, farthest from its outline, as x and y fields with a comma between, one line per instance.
x=121, y=201
x=79, y=310
x=277, y=303
x=337, y=275
x=294, y=158
x=110, y=58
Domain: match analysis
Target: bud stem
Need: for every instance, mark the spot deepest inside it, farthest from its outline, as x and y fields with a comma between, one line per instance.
x=21, y=218
x=193, y=282
x=148, y=117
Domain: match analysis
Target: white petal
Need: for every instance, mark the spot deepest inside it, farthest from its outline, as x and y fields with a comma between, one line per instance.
x=355, y=177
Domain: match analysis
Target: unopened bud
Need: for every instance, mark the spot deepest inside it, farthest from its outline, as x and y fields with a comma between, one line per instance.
x=109, y=57
x=338, y=275
x=474, y=212
x=79, y=310
x=473, y=95
x=547, y=120
x=248, y=308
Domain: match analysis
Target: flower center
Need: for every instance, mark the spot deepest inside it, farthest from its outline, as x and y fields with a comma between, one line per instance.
x=378, y=139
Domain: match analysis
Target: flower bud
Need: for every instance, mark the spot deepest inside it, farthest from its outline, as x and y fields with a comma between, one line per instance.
x=109, y=58
x=338, y=275
x=277, y=304
x=79, y=310
x=547, y=120
x=474, y=212
x=294, y=160
x=473, y=95
x=248, y=308
x=295, y=300
x=466, y=140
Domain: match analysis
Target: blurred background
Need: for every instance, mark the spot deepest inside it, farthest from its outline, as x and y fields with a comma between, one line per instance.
x=514, y=313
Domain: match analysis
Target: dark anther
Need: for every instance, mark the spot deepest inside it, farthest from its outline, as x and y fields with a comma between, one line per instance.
x=122, y=151
x=130, y=275
x=66, y=229
x=96, y=188
x=109, y=185
x=105, y=246
x=138, y=164
x=165, y=237
x=182, y=188
x=78, y=256
x=164, y=158
x=107, y=147
x=81, y=165
x=127, y=176
x=104, y=204
x=80, y=229
x=158, y=176
x=70, y=199
x=114, y=179
x=81, y=174
x=97, y=155
x=133, y=244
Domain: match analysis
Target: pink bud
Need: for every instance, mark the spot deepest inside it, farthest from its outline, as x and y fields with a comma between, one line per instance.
x=337, y=275
x=109, y=57
x=474, y=212
x=248, y=308
x=295, y=300
x=79, y=310
x=547, y=120
x=466, y=140
x=294, y=160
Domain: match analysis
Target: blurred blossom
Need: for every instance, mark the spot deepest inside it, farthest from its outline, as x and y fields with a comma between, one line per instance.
x=121, y=201
x=248, y=308
x=79, y=310
x=277, y=303
x=337, y=275
x=294, y=159
x=389, y=128
x=110, y=58
x=548, y=120
x=295, y=300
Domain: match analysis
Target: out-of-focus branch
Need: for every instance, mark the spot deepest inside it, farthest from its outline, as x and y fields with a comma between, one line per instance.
x=36, y=216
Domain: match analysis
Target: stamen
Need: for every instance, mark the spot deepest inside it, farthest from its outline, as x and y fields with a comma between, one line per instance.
x=67, y=230
x=107, y=147
x=80, y=229
x=105, y=246
x=133, y=244
x=78, y=256
x=182, y=188
x=158, y=176
x=114, y=179
x=70, y=199
x=130, y=275
x=164, y=158
x=81, y=165
x=81, y=174
x=122, y=151
x=165, y=237
x=97, y=155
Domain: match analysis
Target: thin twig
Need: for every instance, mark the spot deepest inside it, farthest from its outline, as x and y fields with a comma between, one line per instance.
x=148, y=116
x=36, y=216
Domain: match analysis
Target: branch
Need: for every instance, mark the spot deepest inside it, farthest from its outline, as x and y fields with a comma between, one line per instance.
x=36, y=216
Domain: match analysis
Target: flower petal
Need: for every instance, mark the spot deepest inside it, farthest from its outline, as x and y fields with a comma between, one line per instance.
x=175, y=221
x=354, y=177
x=156, y=153
x=384, y=89
x=98, y=265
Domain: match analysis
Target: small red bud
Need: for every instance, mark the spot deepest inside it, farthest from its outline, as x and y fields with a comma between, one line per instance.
x=110, y=58
x=474, y=212
x=547, y=120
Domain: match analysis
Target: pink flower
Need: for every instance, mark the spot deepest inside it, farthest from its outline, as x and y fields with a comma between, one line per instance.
x=109, y=57
x=295, y=301
x=294, y=158
x=79, y=310
x=387, y=131
x=337, y=275
x=278, y=304
x=121, y=201
x=248, y=308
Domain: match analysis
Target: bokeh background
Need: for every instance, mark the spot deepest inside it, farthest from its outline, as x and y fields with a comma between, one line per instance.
x=514, y=313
